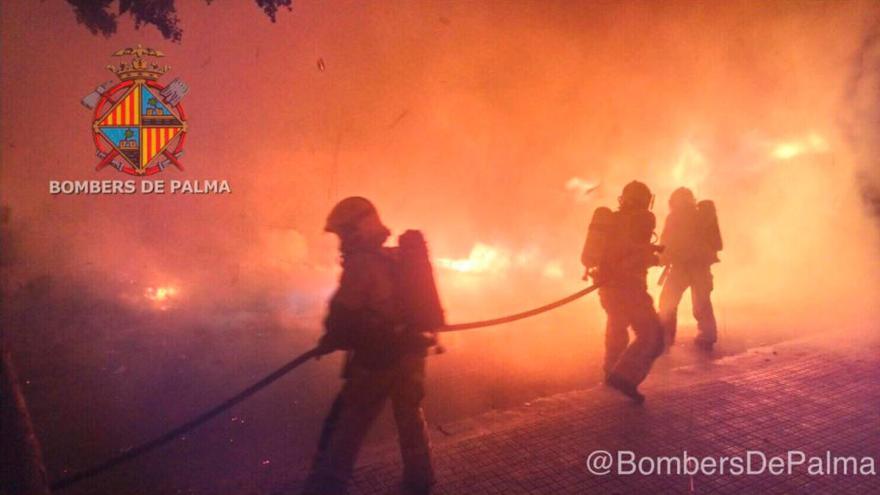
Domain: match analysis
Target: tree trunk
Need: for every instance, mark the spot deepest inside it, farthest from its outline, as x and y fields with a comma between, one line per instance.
x=21, y=464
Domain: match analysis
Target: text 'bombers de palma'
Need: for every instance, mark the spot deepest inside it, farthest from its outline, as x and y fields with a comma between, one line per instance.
x=73, y=187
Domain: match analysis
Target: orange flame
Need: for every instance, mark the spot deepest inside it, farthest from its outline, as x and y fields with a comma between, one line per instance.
x=813, y=143
x=161, y=296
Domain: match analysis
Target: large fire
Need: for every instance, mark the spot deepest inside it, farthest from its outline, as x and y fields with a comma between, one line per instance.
x=482, y=259
x=496, y=128
x=486, y=260
x=498, y=140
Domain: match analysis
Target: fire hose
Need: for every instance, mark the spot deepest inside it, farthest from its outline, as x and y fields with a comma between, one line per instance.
x=199, y=420
x=518, y=316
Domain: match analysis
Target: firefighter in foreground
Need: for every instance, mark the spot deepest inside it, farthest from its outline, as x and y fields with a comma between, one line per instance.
x=617, y=255
x=692, y=240
x=374, y=316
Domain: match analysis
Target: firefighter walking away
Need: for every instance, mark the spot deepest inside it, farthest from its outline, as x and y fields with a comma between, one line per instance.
x=692, y=240
x=617, y=254
x=382, y=316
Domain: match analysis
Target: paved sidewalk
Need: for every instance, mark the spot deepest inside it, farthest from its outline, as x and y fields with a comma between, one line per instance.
x=797, y=396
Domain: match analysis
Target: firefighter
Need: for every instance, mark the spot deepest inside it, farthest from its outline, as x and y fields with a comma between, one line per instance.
x=692, y=241
x=365, y=319
x=618, y=253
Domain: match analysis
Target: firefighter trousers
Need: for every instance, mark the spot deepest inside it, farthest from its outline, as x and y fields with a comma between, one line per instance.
x=357, y=406
x=699, y=279
x=630, y=307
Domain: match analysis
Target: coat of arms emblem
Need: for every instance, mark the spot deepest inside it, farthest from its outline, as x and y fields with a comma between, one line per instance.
x=139, y=126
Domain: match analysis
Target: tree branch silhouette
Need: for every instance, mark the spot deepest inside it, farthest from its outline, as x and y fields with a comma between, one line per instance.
x=98, y=17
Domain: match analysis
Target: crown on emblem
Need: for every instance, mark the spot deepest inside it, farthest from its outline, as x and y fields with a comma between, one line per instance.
x=138, y=68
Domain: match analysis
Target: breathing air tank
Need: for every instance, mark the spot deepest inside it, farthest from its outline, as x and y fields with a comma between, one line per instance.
x=708, y=222
x=598, y=235
x=420, y=300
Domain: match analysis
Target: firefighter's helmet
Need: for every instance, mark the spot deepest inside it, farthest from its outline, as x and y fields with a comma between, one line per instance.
x=637, y=195
x=347, y=213
x=682, y=198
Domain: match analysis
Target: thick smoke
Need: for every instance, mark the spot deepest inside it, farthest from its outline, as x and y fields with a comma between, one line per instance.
x=862, y=113
x=496, y=129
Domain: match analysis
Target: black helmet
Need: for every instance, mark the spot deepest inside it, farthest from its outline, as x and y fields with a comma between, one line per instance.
x=347, y=213
x=636, y=195
x=682, y=198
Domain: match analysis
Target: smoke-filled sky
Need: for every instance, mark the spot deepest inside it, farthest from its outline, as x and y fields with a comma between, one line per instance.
x=495, y=127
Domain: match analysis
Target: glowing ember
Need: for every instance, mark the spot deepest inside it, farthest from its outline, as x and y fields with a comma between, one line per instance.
x=161, y=296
